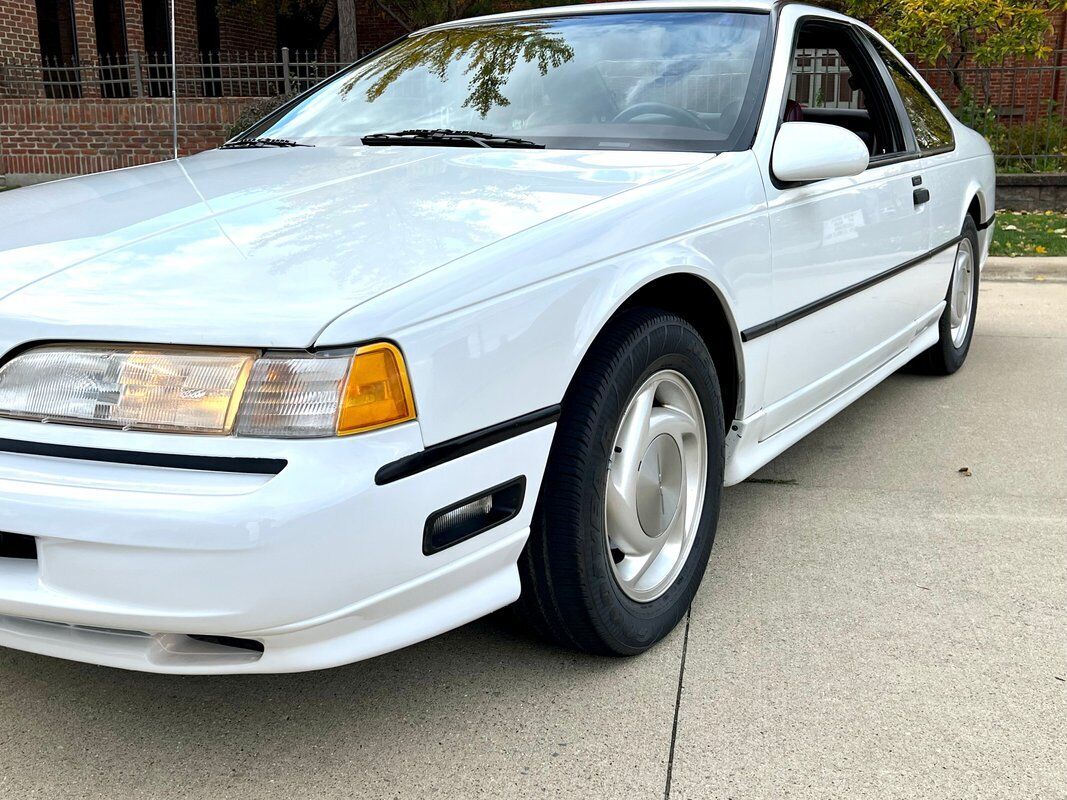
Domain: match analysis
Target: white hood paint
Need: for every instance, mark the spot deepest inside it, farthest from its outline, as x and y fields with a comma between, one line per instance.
x=264, y=248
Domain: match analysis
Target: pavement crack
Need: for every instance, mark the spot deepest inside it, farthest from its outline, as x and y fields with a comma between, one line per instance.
x=677, y=706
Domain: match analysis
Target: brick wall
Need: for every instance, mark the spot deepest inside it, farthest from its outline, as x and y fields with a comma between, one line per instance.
x=85, y=35
x=18, y=30
x=132, y=10
x=242, y=30
x=376, y=27
x=19, y=39
x=186, y=42
x=70, y=137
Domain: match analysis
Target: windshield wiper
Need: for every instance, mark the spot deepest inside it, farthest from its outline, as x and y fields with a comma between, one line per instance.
x=446, y=137
x=262, y=142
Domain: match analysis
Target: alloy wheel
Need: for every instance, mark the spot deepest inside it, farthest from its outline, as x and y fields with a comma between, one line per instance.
x=961, y=298
x=655, y=485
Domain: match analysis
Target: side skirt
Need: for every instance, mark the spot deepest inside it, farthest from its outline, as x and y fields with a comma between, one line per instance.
x=746, y=453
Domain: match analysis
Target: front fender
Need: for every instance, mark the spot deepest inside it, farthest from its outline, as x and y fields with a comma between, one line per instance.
x=501, y=333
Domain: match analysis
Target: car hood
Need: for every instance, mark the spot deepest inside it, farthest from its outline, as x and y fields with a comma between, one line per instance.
x=265, y=247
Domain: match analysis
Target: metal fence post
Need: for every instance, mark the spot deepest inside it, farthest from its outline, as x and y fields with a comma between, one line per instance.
x=285, y=70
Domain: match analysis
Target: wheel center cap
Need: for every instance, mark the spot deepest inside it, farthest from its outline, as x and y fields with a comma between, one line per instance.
x=659, y=485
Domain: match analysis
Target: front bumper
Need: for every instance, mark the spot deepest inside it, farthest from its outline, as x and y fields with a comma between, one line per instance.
x=317, y=564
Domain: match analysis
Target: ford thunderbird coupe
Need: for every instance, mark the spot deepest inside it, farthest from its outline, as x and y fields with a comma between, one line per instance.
x=487, y=319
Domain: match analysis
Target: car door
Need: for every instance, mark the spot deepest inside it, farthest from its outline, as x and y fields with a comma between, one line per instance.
x=947, y=181
x=834, y=241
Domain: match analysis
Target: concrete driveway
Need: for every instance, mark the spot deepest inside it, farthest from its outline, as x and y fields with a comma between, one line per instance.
x=873, y=624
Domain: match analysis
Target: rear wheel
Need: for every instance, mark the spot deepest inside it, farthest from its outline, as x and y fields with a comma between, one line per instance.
x=628, y=508
x=956, y=326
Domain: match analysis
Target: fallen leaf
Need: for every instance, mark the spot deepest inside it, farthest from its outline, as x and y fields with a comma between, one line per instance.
x=1040, y=249
x=1009, y=228
x=965, y=472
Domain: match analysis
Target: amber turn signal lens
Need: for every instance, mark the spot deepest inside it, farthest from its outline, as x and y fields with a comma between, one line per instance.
x=377, y=393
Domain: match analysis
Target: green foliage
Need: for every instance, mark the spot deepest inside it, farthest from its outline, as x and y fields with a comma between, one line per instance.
x=257, y=110
x=989, y=30
x=1035, y=146
x=1016, y=145
x=974, y=113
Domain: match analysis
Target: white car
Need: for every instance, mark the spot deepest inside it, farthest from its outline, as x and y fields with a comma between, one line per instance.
x=489, y=318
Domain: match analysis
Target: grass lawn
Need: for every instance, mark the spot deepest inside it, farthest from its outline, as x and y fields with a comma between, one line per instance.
x=1030, y=233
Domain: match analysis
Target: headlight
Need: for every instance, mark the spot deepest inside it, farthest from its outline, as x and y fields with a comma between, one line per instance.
x=327, y=394
x=209, y=391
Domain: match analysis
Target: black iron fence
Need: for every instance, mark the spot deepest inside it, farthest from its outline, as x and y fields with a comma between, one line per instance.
x=249, y=74
x=1021, y=108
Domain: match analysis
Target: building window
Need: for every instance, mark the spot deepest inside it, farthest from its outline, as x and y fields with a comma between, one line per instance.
x=110, y=27
x=156, y=15
x=208, y=40
x=59, y=48
x=110, y=22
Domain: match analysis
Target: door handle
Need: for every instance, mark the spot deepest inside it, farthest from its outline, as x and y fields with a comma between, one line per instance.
x=920, y=196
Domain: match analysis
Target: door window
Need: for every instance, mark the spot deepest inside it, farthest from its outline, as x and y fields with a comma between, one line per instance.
x=833, y=81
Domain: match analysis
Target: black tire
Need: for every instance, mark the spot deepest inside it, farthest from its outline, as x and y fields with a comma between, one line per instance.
x=569, y=592
x=944, y=358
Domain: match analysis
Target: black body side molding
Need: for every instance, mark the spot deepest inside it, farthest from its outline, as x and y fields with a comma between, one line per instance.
x=438, y=454
x=250, y=466
x=764, y=328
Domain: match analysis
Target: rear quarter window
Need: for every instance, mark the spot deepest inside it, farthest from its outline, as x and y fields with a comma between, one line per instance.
x=933, y=132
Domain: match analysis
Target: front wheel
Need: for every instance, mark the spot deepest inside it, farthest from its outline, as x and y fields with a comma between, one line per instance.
x=628, y=507
x=956, y=326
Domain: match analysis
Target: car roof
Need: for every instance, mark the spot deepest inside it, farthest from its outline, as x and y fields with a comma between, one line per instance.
x=585, y=9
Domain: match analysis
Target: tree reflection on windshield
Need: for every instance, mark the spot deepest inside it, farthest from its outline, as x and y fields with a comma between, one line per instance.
x=659, y=80
x=490, y=54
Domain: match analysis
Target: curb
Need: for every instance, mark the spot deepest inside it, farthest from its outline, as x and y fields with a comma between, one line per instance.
x=1027, y=269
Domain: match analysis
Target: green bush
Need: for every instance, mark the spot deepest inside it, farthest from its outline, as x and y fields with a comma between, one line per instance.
x=1031, y=146
x=1037, y=146
x=257, y=110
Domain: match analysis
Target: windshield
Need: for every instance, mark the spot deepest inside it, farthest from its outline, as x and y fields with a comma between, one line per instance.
x=642, y=81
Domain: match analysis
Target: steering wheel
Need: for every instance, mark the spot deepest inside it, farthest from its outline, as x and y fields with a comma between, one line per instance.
x=680, y=115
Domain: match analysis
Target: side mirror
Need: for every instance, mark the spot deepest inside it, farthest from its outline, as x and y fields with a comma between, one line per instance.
x=814, y=151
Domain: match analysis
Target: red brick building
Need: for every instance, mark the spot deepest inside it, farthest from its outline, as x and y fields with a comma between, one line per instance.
x=85, y=84
x=84, y=31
